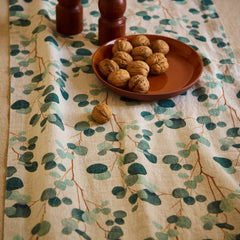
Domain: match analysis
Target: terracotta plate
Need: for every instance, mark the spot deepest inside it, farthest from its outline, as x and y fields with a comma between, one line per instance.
x=185, y=68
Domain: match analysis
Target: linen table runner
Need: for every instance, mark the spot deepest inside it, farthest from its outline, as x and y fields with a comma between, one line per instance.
x=167, y=169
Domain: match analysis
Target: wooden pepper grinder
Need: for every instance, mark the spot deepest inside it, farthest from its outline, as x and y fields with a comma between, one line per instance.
x=69, y=17
x=112, y=23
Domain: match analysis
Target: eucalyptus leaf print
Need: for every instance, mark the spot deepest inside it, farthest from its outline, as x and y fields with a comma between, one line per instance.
x=166, y=169
x=21, y=106
x=41, y=229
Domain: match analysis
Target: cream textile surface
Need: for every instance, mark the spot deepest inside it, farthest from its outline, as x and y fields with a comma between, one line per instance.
x=207, y=72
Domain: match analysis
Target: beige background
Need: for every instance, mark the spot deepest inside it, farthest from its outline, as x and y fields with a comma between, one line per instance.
x=229, y=14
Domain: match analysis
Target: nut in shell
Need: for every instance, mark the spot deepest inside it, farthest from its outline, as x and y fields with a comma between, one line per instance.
x=160, y=46
x=122, y=45
x=158, y=63
x=138, y=68
x=141, y=53
x=139, y=83
x=119, y=78
x=140, y=40
x=101, y=113
x=122, y=58
x=106, y=66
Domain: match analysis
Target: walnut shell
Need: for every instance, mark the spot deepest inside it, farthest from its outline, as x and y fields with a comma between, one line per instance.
x=141, y=52
x=158, y=63
x=101, y=113
x=106, y=66
x=160, y=46
x=119, y=78
x=138, y=68
x=140, y=40
x=139, y=83
x=122, y=58
x=122, y=45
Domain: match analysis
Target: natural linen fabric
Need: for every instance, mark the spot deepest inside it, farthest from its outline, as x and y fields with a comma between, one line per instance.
x=166, y=169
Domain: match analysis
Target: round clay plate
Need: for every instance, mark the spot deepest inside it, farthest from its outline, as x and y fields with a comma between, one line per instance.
x=185, y=68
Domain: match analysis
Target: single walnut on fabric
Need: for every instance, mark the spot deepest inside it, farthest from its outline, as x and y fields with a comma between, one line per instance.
x=122, y=58
x=122, y=45
x=140, y=40
x=138, y=68
x=158, y=63
x=119, y=78
x=160, y=46
x=139, y=83
x=106, y=66
x=101, y=113
x=141, y=53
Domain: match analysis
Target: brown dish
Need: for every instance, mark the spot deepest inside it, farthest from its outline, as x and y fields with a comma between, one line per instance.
x=185, y=68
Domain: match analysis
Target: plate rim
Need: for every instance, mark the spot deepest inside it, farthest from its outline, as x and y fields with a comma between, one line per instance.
x=140, y=96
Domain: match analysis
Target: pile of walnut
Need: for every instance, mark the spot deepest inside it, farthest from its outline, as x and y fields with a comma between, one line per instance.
x=133, y=61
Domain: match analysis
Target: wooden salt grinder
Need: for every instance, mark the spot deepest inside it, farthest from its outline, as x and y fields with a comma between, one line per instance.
x=69, y=17
x=112, y=23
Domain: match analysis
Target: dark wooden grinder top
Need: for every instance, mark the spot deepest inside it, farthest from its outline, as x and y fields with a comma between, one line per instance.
x=112, y=23
x=69, y=17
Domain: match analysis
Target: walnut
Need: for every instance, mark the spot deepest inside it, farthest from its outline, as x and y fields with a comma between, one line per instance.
x=101, y=113
x=122, y=58
x=158, y=63
x=160, y=46
x=139, y=83
x=122, y=45
x=140, y=40
x=106, y=66
x=141, y=52
x=119, y=78
x=138, y=67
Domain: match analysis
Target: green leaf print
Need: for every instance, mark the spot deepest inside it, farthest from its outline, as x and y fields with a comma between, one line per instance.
x=175, y=123
x=13, y=183
x=37, y=78
x=183, y=222
x=18, y=211
x=80, y=150
x=21, y=22
x=10, y=171
x=130, y=157
x=97, y=168
x=214, y=207
x=20, y=104
x=143, y=145
x=54, y=202
x=136, y=168
x=225, y=226
x=112, y=136
x=119, y=192
x=39, y=29
x=81, y=126
x=115, y=233
x=151, y=157
x=51, y=40
x=83, y=234
x=180, y=193
x=51, y=97
x=48, y=194
x=55, y=119
x=224, y=162
x=77, y=214
x=69, y=225
x=41, y=229
x=26, y=157
x=148, y=196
